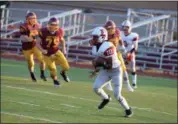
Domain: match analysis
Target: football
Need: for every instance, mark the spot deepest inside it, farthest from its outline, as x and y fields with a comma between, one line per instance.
x=99, y=61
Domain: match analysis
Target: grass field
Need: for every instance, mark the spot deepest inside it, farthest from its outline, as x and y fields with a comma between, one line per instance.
x=154, y=101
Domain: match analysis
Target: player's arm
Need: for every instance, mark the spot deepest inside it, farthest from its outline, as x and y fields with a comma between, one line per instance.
x=135, y=43
x=38, y=43
x=63, y=43
x=24, y=35
x=121, y=47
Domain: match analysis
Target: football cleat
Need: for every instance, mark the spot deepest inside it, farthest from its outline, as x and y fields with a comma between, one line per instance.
x=56, y=83
x=33, y=77
x=129, y=88
x=43, y=77
x=65, y=77
x=134, y=86
x=104, y=102
x=128, y=113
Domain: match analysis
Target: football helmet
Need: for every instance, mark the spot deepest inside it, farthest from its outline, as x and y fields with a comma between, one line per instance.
x=126, y=26
x=110, y=27
x=31, y=18
x=99, y=35
x=53, y=25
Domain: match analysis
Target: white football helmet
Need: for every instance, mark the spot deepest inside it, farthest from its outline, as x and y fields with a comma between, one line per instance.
x=126, y=26
x=99, y=34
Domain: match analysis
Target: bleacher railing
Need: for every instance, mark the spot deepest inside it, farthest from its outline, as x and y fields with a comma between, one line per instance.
x=164, y=53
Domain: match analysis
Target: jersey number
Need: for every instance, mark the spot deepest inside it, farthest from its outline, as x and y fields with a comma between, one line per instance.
x=51, y=40
x=109, y=51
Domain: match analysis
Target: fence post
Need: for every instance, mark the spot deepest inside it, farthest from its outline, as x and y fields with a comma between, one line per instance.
x=75, y=21
x=49, y=14
x=129, y=13
x=166, y=31
x=172, y=30
x=107, y=18
x=83, y=24
x=7, y=19
x=2, y=15
x=150, y=33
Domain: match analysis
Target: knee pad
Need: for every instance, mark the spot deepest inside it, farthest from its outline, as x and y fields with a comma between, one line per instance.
x=133, y=73
x=66, y=67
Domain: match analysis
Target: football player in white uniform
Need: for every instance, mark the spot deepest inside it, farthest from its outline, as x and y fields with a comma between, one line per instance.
x=131, y=44
x=109, y=68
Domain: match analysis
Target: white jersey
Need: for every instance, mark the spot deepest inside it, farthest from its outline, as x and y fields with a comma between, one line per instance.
x=129, y=40
x=107, y=49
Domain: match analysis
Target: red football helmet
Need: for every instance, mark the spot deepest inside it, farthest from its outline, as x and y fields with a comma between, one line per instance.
x=31, y=18
x=110, y=27
x=53, y=25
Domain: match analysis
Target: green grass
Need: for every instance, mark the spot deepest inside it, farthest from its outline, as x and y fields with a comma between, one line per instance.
x=154, y=101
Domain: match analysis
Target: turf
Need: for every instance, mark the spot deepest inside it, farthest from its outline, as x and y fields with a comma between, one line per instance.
x=154, y=101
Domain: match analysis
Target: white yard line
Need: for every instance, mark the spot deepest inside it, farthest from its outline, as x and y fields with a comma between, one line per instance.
x=55, y=94
x=30, y=117
x=69, y=105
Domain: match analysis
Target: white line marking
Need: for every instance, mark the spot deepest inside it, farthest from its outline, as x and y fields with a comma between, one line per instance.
x=69, y=105
x=27, y=103
x=148, y=109
x=53, y=108
x=26, y=116
x=44, y=92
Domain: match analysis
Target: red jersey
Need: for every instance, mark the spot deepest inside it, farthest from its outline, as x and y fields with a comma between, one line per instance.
x=50, y=42
x=31, y=31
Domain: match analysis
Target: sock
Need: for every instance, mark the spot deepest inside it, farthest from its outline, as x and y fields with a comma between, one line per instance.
x=32, y=73
x=126, y=78
x=124, y=103
x=134, y=78
x=42, y=72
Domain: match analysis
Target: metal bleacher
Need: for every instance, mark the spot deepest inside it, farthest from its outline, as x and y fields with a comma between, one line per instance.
x=157, y=48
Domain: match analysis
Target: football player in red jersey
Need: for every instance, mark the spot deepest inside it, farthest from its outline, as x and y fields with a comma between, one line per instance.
x=29, y=32
x=49, y=40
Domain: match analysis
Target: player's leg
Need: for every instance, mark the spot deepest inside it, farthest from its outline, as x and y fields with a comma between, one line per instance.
x=100, y=80
x=125, y=74
x=30, y=61
x=39, y=56
x=50, y=64
x=133, y=69
x=62, y=61
x=117, y=82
